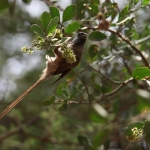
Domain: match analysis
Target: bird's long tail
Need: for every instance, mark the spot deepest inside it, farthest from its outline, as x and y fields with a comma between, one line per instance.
x=14, y=103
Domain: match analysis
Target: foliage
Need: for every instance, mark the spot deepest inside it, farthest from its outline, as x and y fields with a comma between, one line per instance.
x=104, y=102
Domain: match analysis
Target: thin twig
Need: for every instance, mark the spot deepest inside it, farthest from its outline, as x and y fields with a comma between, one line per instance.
x=126, y=66
x=132, y=46
x=139, y=8
x=49, y=3
x=103, y=96
x=111, y=80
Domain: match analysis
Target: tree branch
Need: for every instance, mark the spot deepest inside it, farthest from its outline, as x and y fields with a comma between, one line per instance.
x=111, y=80
x=101, y=97
x=132, y=46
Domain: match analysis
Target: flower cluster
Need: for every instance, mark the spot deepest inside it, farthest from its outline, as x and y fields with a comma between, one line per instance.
x=68, y=54
x=136, y=136
x=41, y=43
x=28, y=50
x=44, y=43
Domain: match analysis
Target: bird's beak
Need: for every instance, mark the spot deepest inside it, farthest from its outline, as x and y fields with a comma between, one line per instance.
x=84, y=36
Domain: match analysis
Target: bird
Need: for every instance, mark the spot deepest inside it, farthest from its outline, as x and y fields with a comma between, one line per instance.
x=57, y=65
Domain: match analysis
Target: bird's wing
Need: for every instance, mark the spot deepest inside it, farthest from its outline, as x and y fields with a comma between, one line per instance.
x=65, y=68
x=62, y=75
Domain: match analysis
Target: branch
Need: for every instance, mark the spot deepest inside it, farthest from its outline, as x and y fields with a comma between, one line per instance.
x=132, y=46
x=49, y=3
x=101, y=97
x=111, y=80
x=132, y=10
x=104, y=96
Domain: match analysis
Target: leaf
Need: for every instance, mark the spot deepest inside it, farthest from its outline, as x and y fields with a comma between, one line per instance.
x=81, y=9
x=100, y=138
x=26, y=1
x=86, y=144
x=124, y=13
x=64, y=92
x=98, y=114
x=97, y=36
x=69, y=13
x=59, y=88
x=74, y=26
x=49, y=101
x=63, y=108
x=141, y=73
x=93, y=49
x=52, y=25
x=37, y=29
x=82, y=140
x=143, y=103
x=94, y=10
x=54, y=12
x=4, y=4
x=147, y=131
x=45, y=19
x=95, y=2
x=145, y=2
x=74, y=93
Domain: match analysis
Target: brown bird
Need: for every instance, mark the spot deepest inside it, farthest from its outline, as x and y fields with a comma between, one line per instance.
x=54, y=66
x=58, y=65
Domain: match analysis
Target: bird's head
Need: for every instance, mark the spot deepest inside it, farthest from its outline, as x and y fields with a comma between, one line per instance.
x=80, y=38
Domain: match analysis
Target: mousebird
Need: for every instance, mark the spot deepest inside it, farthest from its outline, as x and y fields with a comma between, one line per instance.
x=55, y=66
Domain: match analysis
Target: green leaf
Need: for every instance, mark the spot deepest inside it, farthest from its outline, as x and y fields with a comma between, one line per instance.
x=74, y=93
x=100, y=138
x=124, y=13
x=143, y=102
x=52, y=25
x=69, y=13
x=94, y=10
x=26, y=1
x=54, y=12
x=64, y=92
x=74, y=26
x=145, y=2
x=141, y=73
x=147, y=131
x=4, y=4
x=98, y=114
x=93, y=49
x=45, y=19
x=82, y=140
x=59, y=88
x=81, y=9
x=97, y=36
x=63, y=108
x=37, y=29
x=49, y=101
x=95, y=2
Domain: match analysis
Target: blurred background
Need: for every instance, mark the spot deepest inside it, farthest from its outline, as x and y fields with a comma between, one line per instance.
x=30, y=125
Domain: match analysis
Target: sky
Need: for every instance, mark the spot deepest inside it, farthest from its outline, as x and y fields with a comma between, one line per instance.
x=36, y=7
